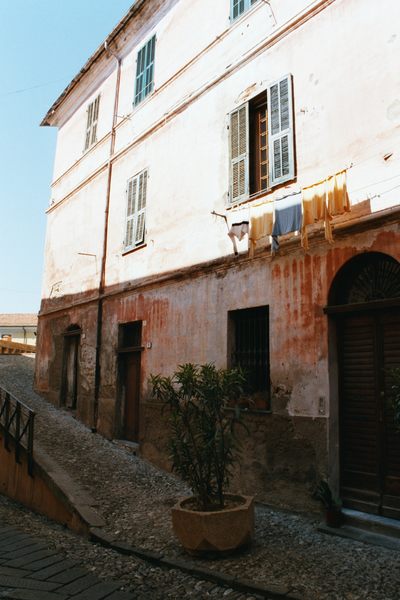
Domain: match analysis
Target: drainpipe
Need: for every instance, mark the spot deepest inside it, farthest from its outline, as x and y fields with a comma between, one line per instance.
x=105, y=240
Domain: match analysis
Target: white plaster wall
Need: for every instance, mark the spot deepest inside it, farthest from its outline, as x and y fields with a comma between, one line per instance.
x=344, y=63
x=71, y=137
x=74, y=243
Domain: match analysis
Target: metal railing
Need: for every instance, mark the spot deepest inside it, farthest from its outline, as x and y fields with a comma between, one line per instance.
x=16, y=422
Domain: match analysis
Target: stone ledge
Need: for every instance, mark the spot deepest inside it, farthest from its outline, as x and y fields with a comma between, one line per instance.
x=272, y=592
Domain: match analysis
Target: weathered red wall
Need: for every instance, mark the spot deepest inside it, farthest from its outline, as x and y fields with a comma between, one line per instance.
x=185, y=320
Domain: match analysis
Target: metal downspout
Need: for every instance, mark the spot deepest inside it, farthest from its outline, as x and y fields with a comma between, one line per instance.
x=105, y=241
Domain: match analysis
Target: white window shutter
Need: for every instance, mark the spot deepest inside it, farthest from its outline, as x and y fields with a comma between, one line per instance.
x=131, y=194
x=91, y=123
x=239, y=150
x=141, y=208
x=281, y=134
x=136, y=193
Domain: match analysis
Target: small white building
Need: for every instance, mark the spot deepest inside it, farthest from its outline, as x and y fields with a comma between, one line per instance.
x=19, y=327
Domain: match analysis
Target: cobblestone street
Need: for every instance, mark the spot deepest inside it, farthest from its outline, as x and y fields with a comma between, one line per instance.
x=40, y=560
x=134, y=499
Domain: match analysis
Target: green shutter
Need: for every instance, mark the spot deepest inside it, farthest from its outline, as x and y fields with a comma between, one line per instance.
x=239, y=151
x=280, y=141
x=145, y=70
x=238, y=7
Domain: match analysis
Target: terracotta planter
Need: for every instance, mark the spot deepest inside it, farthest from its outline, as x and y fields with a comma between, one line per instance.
x=221, y=531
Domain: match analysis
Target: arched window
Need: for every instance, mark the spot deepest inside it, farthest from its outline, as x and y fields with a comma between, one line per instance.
x=368, y=277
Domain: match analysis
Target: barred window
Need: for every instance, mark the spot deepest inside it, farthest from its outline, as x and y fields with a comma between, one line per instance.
x=249, y=348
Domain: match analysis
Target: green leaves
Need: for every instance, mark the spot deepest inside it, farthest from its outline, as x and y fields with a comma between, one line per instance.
x=203, y=442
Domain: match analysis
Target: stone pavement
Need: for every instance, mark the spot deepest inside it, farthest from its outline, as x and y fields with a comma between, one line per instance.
x=289, y=554
x=30, y=570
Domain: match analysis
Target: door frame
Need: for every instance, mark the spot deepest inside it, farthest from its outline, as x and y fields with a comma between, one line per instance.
x=129, y=342
x=71, y=335
x=333, y=313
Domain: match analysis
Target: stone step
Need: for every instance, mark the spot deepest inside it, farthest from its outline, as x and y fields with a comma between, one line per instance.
x=372, y=523
x=132, y=447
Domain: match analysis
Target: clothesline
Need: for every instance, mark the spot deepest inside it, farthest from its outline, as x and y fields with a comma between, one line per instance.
x=295, y=212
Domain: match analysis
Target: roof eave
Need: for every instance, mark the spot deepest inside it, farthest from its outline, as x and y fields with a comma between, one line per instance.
x=48, y=118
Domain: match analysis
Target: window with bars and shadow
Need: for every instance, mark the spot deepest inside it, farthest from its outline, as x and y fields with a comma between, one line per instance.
x=248, y=331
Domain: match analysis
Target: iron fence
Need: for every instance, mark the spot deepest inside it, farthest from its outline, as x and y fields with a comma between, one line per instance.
x=17, y=424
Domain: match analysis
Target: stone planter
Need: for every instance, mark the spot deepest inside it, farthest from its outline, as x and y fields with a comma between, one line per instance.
x=220, y=531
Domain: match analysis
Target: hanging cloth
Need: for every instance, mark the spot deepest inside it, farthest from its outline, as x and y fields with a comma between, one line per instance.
x=261, y=224
x=322, y=201
x=239, y=230
x=315, y=210
x=288, y=217
x=338, y=199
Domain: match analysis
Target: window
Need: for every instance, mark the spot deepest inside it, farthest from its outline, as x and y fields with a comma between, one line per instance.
x=145, y=70
x=238, y=7
x=249, y=349
x=130, y=335
x=91, y=123
x=136, y=192
x=261, y=141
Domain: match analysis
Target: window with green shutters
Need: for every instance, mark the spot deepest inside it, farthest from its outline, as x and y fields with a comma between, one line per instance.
x=261, y=142
x=136, y=192
x=91, y=123
x=145, y=71
x=238, y=7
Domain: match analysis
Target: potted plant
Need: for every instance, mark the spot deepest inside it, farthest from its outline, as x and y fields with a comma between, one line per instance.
x=204, y=446
x=333, y=506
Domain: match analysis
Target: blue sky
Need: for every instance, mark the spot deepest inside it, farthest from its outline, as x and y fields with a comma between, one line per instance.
x=43, y=44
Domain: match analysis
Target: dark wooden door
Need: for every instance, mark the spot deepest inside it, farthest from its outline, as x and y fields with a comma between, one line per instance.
x=369, y=347
x=70, y=372
x=132, y=395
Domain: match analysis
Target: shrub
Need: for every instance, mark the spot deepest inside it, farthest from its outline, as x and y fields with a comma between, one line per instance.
x=203, y=442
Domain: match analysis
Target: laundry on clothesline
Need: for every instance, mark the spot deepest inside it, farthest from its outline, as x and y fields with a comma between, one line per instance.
x=321, y=202
x=288, y=217
x=239, y=230
x=261, y=224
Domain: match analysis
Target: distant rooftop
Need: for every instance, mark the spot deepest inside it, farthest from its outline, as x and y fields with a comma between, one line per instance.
x=18, y=319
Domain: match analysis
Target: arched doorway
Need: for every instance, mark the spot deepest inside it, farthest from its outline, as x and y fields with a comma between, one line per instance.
x=70, y=367
x=365, y=303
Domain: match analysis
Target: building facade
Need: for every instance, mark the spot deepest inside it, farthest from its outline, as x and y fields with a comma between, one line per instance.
x=19, y=327
x=197, y=131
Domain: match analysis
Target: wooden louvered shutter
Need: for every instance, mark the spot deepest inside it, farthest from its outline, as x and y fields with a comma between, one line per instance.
x=280, y=118
x=359, y=443
x=91, y=123
x=390, y=335
x=131, y=193
x=89, y=113
x=239, y=147
x=145, y=70
x=94, y=120
x=141, y=208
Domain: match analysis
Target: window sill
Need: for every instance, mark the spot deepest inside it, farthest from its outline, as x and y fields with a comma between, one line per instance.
x=130, y=250
x=246, y=13
x=251, y=411
x=262, y=195
x=146, y=99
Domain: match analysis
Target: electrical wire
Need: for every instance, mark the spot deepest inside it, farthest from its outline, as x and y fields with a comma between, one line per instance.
x=34, y=87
